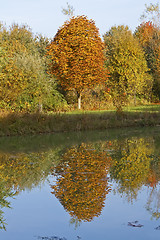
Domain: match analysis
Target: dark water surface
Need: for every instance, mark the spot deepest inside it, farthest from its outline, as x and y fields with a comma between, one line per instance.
x=88, y=186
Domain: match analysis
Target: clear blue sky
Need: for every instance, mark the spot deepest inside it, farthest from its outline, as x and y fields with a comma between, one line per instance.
x=45, y=16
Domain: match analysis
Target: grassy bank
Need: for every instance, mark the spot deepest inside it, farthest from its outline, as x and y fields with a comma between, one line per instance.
x=21, y=124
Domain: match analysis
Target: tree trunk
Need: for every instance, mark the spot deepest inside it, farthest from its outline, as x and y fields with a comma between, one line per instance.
x=40, y=107
x=79, y=101
x=135, y=97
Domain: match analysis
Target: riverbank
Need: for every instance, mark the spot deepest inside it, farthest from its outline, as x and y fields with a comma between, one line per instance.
x=12, y=124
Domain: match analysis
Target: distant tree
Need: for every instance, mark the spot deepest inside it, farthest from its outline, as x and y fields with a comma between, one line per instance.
x=77, y=56
x=151, y=13
x=69, y=11
x=126, y=64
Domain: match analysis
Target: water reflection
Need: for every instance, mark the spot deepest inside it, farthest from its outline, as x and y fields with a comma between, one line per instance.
x=84, y=173
x=5, y=192
x=22, y=171
x=131, y=162
x=82, y=182
x=153, y=202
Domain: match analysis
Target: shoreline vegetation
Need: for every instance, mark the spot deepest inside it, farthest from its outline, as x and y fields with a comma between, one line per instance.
x=43, y=80
x=14, y=124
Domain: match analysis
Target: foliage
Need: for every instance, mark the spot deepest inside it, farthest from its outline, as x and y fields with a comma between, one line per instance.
x=97, y=98
x=149, y=37
x=126, y=64
x=82, y=184
x=25, y=83
x=77, y=55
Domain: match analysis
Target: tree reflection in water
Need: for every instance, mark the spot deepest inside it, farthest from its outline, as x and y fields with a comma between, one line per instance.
x=5, y=192
x=130, y=165
x=83, y=174
x=153, y=202
x=82, y=182
x=19, y=172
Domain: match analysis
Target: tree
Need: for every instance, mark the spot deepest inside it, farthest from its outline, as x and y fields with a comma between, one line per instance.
x=24, y=82
x=18, y=46
x=126, y=64
x=151, y=13
x=68, y=11
x=148, y=35
x=77, y=56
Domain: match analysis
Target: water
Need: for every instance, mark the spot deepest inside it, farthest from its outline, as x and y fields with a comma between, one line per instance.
x=89, y=186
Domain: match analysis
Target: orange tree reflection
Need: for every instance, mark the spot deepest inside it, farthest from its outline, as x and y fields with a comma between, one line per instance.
x=82, y=182
x=153, y=202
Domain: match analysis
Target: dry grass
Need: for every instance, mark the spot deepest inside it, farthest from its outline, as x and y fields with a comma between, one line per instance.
x=25, y=123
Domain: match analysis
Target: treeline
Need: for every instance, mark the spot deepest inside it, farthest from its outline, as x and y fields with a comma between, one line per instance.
x=133, y=61
x=39, y=73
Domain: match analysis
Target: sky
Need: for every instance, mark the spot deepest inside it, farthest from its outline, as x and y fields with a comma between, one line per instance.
x=45, y=16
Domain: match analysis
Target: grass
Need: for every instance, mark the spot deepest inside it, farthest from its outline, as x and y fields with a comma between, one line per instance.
x=145, y=108
x=24, y=123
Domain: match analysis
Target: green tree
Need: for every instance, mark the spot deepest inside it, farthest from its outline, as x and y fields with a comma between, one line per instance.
x=126, y=64
x=77, y=56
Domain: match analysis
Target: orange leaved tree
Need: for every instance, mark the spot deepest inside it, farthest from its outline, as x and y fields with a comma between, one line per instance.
x=77, y=55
